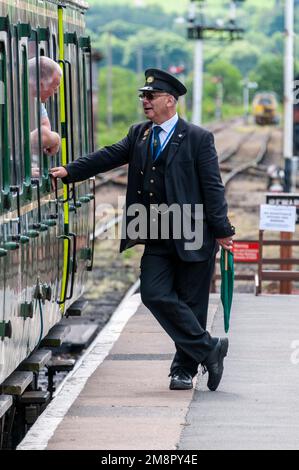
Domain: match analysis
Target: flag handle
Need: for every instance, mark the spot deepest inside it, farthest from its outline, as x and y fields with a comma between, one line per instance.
x=225, y=260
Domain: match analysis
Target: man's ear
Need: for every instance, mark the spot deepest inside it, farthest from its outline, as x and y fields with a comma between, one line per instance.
x=169, y=102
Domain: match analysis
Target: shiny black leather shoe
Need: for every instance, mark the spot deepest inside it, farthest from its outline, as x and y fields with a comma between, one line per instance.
x=214, y=363
x=181, y=380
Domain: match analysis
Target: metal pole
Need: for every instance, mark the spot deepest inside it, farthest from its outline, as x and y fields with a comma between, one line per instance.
x=288, y=92
x=182, y=101
x=246, y=101
x=109, y=83
x=139, y=77
x=159, y=60
x=197, y=83
x=219, y=100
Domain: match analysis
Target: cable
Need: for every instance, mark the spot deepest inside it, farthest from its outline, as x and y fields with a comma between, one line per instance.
x=41, y=322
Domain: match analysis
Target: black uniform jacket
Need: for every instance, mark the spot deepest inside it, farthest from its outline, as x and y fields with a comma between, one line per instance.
x=191, y=177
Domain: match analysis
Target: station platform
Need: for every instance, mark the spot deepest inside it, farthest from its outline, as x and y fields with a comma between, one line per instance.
x=119, y=397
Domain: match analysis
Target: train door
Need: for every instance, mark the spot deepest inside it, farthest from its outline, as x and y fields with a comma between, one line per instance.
x=25, y=178
x=69, y=64
x=69, y=238
x=77, y=147
x=56, y=206
x=22, y=176
x=50, y=246
x=87, y=193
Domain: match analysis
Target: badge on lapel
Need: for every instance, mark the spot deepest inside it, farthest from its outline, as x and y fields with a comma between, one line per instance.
x=145, y=135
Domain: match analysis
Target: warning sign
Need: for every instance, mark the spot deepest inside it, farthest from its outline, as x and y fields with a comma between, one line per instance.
x=284, y=199
x=277, y=218
x=246, y=252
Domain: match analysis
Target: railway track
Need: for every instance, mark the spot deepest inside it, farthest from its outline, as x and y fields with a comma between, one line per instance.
x=241, y=166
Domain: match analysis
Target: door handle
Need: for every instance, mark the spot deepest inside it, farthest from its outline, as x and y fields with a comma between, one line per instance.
x=93, y=180
x=67, y=238
x=74, y=265
x=38, y=226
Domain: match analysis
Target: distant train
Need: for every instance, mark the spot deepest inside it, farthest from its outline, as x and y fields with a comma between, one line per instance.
x=265, y=108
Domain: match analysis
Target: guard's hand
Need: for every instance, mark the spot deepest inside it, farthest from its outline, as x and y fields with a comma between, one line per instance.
x=226, y=243
x=59, y=172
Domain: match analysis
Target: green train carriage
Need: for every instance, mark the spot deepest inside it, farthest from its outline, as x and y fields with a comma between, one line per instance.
x=45, y=247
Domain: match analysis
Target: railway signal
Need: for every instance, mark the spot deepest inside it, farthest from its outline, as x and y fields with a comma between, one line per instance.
x=199, y=31
x=247, y=86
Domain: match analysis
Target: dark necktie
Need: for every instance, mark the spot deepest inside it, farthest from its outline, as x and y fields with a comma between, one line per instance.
x=156, y=143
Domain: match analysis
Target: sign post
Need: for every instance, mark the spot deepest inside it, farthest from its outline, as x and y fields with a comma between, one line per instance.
x=283, y=202
x=246, y=252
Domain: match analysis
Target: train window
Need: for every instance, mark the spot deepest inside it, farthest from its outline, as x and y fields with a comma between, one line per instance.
x=265, y=101
x=76, y=92
x=87, y=94
x=36, y=108
x=4, y=137
x=85, y=100
x=45, y=107
x=25, y=114
x=11, y=111
x=79, y=100
x=18, y=162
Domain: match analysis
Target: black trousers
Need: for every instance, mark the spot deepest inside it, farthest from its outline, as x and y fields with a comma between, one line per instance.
x=177, y=294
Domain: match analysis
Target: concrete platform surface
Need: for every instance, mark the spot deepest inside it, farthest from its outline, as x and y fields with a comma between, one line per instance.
x=124, y=401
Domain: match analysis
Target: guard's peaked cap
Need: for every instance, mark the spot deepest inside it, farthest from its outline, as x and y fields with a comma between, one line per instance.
x=158, y=80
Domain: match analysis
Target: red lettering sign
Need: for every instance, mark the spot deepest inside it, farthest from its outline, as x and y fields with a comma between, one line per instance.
x=246, y=252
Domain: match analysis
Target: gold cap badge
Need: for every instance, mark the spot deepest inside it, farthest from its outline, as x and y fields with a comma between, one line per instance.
x=150, y=80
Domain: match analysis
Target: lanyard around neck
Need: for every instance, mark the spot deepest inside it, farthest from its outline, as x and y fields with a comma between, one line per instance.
x=164, y=143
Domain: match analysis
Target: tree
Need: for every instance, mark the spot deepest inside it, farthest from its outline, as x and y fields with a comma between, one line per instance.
x=125, y=95
x=231, y=77
x=161, y=48
x=243, y=55
x=117, y=46
x=269, y=75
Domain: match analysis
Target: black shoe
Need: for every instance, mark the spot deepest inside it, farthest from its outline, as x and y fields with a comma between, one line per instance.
x=180, y=380
x=214, y=363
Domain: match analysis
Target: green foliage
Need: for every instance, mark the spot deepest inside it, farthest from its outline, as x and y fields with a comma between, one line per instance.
x=125, y=101
x=231, y=78
x=106, y=136
x=157, y=46
x=269, y=75
x=102, y=14
x=243, y=58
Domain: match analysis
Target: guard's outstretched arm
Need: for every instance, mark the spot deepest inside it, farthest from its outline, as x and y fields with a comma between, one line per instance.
x=100, y=161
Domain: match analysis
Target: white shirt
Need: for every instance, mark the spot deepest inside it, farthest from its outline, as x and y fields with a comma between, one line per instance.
x=167, y=126
x=43, y=111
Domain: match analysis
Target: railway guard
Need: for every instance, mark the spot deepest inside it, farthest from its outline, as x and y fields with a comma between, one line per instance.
x=171, y=162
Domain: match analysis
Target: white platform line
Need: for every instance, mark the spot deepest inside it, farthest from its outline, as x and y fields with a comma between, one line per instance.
x=41, y=432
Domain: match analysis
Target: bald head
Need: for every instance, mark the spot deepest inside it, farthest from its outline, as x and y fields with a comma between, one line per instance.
x=50, y=76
